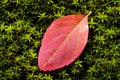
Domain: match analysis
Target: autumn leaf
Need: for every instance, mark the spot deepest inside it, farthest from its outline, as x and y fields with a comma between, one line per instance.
x=63, y=41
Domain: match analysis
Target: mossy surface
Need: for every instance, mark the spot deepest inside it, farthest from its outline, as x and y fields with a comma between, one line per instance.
x=23, y=23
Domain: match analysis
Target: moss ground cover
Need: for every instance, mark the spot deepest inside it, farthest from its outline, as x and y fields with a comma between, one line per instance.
x=23, y=23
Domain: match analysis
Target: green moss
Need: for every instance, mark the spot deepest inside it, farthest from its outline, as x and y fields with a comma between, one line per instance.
x=23, y=23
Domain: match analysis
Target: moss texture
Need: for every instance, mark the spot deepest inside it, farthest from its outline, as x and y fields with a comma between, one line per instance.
x=23, y=23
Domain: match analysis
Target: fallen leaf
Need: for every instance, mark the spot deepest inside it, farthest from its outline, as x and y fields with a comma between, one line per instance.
x=63, y=42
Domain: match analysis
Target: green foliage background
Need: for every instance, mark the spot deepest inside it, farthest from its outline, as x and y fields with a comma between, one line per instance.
x=23, y=23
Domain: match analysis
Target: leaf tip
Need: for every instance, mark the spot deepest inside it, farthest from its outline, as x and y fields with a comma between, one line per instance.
x=89, y=13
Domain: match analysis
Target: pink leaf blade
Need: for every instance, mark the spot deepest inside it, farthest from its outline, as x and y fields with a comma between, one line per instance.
x=63, y=42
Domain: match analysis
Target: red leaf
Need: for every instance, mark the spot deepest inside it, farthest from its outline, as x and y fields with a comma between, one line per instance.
x=63, y=42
